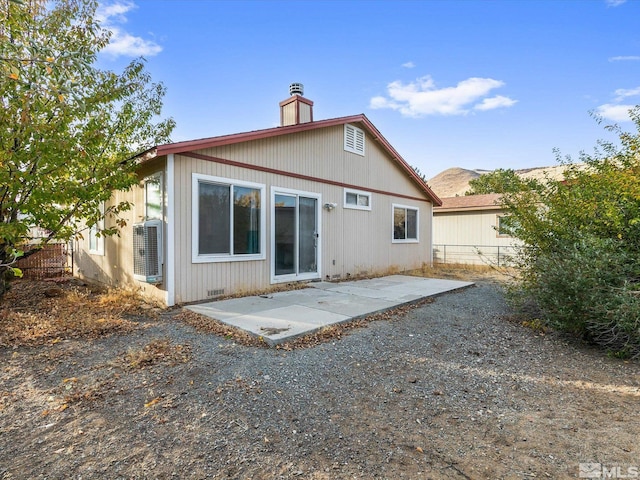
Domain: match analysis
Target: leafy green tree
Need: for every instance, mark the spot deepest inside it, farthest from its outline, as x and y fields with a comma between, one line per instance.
x=500, y=181
x=67, y=128
x=580, y=263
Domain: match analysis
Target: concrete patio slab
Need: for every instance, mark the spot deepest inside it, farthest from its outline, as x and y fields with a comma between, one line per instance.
x=283, y=316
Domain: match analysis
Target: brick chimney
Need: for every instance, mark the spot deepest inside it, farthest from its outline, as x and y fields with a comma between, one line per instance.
x=296, y=109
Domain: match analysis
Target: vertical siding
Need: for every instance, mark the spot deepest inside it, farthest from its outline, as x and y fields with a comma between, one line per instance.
x=354, y=242
x=115, y=267
x=468, y=228
x=470, y=231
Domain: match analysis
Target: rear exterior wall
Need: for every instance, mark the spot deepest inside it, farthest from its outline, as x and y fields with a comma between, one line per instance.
x=352, y=242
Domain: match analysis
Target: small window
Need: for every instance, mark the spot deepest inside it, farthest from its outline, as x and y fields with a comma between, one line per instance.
x=228, y=220
x=405, y=224
x=353, y=139
x=153, y=195
x=503, y=226
x=357, y=199
x=96, y=238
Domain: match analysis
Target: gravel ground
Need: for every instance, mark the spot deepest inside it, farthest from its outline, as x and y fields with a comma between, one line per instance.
x=448, y=390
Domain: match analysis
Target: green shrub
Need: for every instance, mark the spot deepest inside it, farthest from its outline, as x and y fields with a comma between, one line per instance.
x=580, y=263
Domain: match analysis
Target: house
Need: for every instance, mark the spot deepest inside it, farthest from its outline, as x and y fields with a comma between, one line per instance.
x=307, y=200
x=466, y=230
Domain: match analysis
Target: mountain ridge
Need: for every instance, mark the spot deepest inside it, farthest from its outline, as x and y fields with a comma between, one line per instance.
x=454, y=181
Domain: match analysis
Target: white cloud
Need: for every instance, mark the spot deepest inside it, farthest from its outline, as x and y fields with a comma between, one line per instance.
x=625, y=58
x=122, y=43
x=616, y=113
x=421, y=97
x=495, y=102
x=409, y=65
x=623, y=93
x=614, y=3
x=115, y=11
x=125, y=44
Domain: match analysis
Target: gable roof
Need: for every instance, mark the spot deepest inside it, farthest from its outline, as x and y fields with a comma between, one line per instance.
x=191, y=145
x=490, y=201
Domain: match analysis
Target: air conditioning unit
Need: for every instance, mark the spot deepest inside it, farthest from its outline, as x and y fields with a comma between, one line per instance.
x=147, y=251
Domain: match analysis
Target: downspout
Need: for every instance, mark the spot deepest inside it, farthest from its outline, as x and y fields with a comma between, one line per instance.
x=170, y=260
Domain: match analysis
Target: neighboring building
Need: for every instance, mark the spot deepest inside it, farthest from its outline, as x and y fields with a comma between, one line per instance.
x=466, y=230
x=308, y=200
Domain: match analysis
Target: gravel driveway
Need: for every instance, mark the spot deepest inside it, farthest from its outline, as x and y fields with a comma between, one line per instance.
x=448, y=390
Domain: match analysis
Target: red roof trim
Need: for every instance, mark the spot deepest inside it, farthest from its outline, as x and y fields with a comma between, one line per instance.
x=296, y=98
x=191, y=145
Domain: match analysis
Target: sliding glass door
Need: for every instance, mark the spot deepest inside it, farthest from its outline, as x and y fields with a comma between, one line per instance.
x=295, y=235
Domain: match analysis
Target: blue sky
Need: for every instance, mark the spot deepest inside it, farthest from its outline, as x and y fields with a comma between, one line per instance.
x=473, y=84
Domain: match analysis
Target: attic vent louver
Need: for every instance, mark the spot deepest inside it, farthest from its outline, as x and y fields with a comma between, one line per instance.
x=353, y=139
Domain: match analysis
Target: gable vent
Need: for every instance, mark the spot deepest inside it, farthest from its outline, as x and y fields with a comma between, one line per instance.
x=353, y=139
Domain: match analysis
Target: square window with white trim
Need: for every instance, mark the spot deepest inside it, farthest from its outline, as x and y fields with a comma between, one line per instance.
x=353, y=139
x=405, y=224
x=357, y=199
x=228, y=220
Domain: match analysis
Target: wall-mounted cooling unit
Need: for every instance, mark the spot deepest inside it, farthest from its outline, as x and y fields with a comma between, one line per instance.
x=147, y=251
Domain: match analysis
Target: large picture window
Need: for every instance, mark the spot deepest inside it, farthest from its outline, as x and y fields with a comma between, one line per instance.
x=405, y=224
x=228, y=220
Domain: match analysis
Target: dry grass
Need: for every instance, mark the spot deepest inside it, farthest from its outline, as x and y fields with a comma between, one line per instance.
x=159, y=350
x=467, y=272
x=38, y=312
x=245, y=292
x=208, y=325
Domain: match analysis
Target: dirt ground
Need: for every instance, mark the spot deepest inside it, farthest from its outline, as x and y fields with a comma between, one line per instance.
x=98, y=384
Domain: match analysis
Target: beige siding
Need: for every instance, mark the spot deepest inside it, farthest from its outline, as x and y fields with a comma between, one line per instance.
x=320, y=153
x=115, y=267
x=459, y=236
x=289, y=114
x=352, y=243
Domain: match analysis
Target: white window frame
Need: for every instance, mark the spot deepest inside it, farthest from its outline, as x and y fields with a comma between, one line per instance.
x=358, y=193
x=301, y=276
x=93, y=234
x=405, y=240
x=196, y=179
x=354, y=139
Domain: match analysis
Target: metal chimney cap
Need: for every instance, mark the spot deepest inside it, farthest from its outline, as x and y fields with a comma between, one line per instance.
x=296, y=89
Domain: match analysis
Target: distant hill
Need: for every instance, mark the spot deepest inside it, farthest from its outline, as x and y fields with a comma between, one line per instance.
x=454, y=181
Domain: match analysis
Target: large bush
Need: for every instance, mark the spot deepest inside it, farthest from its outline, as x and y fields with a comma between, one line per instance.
x=580, y=264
